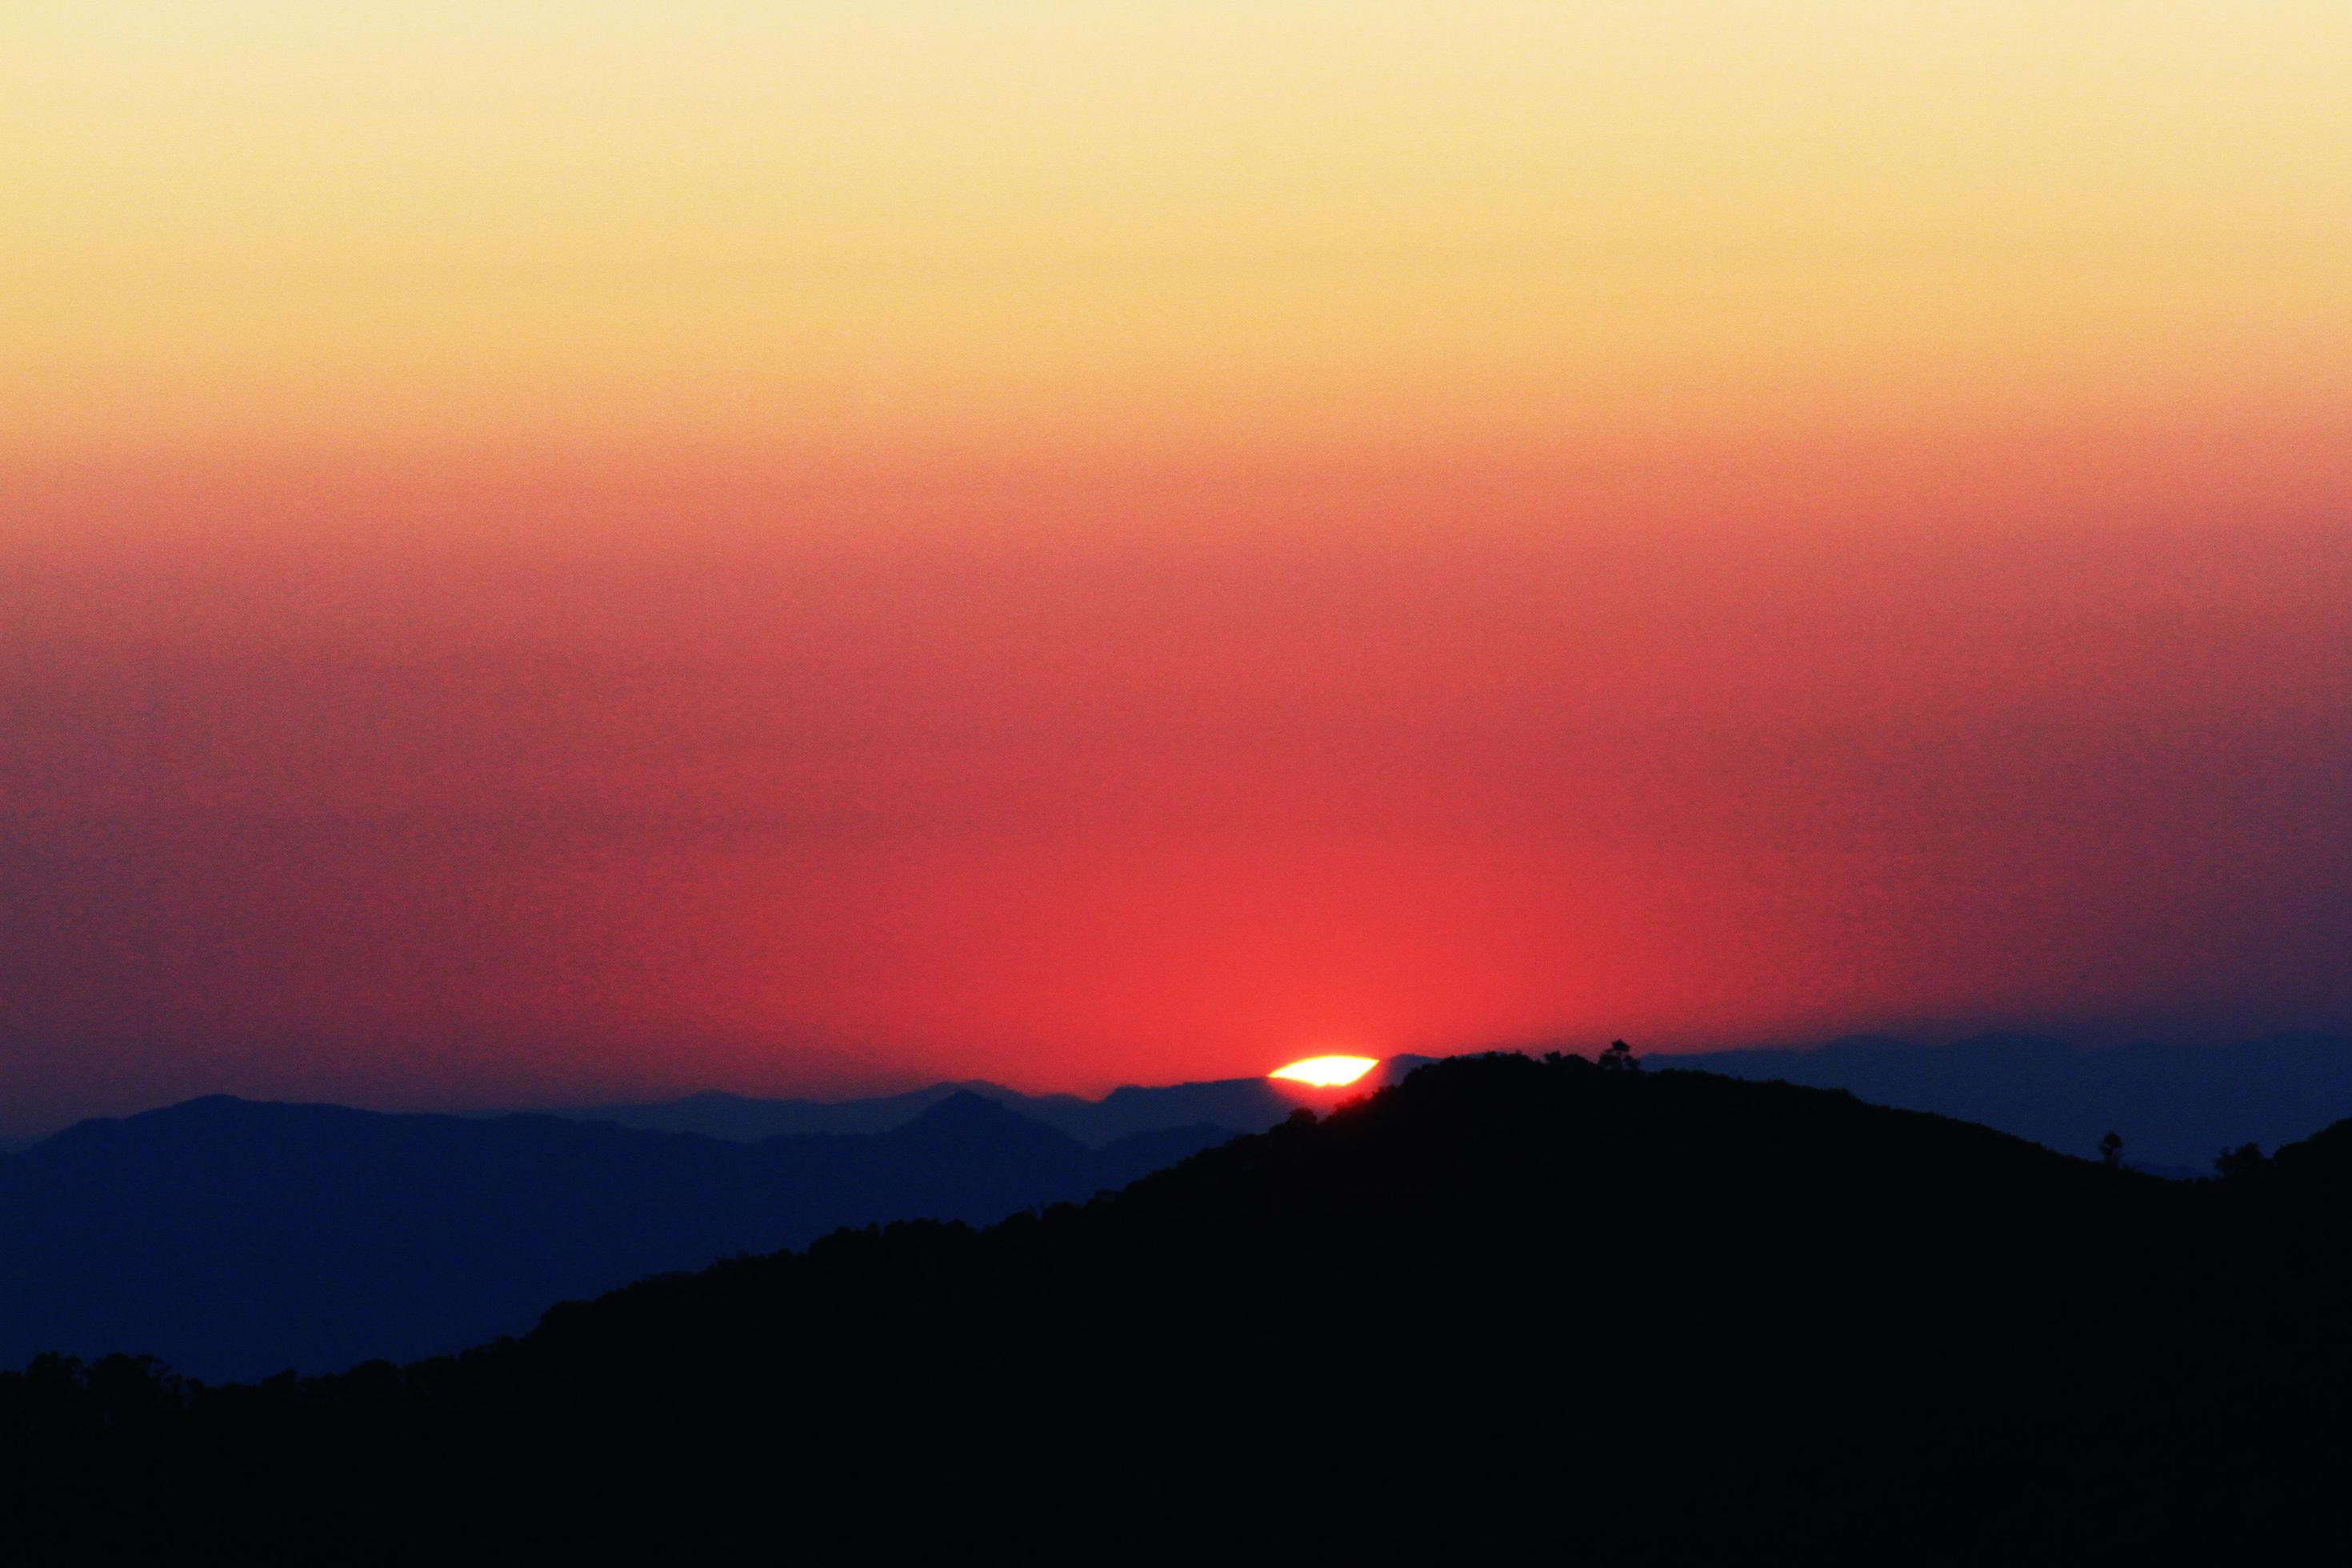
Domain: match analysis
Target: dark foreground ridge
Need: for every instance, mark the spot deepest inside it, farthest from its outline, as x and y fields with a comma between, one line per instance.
x=1660, y=1315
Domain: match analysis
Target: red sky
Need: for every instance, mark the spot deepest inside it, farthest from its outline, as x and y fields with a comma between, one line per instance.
x=678, y=795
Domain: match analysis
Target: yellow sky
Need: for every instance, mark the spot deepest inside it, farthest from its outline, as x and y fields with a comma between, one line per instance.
x=1138, y=227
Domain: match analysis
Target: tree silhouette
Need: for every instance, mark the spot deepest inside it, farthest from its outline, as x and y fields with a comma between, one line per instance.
x=2245, y=1160
x=2111, y=1149
x=1619, y=1057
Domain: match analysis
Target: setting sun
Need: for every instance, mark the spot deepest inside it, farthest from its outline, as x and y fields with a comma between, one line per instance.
x=1327, y=1072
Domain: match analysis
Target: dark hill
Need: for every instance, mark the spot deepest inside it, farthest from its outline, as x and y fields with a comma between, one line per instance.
x=1605, y=1315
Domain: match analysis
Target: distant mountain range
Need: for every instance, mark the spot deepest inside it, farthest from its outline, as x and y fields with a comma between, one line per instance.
x=1241, y=1104
x=235, y=1239
x=2175, y=1107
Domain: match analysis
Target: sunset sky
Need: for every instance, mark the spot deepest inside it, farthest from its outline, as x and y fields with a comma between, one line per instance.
x=552, y=552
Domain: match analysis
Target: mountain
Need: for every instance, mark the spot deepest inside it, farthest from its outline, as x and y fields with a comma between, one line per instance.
x=2173, y=1105
x=1507, y=1305
x=236, y=1238
x=746, y=1120
x=1240, y=1104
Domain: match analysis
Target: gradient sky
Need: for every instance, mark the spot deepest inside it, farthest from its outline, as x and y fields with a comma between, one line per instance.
x=555, y=551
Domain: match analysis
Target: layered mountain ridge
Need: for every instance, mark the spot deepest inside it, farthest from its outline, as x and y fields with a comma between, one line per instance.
x=237, y=1238
x=1636, y=1314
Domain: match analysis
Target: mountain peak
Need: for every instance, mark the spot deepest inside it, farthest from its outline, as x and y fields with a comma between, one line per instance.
x=966, y=1110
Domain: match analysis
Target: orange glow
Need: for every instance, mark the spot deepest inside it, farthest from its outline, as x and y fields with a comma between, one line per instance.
x=1326, y=1072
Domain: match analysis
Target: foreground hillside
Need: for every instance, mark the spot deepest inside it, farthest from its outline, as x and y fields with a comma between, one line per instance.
x=1648, y=1315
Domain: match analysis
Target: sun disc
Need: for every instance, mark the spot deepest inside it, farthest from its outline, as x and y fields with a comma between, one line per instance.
x=1326, y=1072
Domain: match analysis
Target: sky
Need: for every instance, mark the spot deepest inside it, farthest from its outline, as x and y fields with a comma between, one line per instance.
x=561, y=551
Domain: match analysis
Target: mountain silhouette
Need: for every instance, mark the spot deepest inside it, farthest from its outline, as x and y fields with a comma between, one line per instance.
x=1507, y=1304
x=2174, y=1106
x=236, y=1238
x=1240, y=1104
